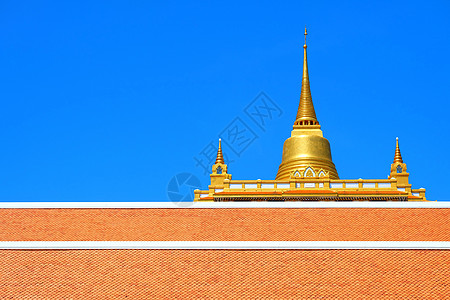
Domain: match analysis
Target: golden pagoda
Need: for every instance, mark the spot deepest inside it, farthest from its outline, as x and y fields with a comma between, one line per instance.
x=307, y=171
x=306, y=148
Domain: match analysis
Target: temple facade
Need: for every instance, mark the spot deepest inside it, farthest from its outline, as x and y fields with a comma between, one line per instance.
x=307, y=171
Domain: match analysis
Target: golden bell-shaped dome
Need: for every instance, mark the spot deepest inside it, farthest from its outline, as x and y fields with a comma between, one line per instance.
x=306, y=147
x=306, y=150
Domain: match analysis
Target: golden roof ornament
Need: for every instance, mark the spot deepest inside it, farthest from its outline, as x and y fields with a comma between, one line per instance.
x=306, y=114
x=398, y=155
x=219, y=158
x=306, y=147
x=307, y=171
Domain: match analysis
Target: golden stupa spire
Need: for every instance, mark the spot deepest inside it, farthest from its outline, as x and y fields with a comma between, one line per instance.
x=306, y=114
x=398, y=155
x=306, y=149
x=219, y=159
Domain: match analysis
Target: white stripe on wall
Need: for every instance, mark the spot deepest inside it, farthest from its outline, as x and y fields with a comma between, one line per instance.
x=359, y=204
x=192, y=245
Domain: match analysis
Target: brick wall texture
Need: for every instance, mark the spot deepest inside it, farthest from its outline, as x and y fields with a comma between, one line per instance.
x=236, y=274
x=252, y=224
x=242, y=274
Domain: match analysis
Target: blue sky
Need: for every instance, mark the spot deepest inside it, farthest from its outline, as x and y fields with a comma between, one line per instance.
x=109, y=100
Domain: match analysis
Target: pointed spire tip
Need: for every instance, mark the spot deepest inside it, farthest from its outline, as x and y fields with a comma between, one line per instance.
x=219, y=158
x=306, y=33
x=398, y=156
x=306, y=114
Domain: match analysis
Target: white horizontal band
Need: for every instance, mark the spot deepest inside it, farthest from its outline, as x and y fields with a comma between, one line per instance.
x=192, y=245
x=354, y=204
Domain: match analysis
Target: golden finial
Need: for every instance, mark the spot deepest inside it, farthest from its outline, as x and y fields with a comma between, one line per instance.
x=219, y=159
x=398, y=155
x=306, y=33
x=306, y=114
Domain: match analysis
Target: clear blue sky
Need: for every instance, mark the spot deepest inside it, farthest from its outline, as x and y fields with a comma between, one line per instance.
x=108, y=100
